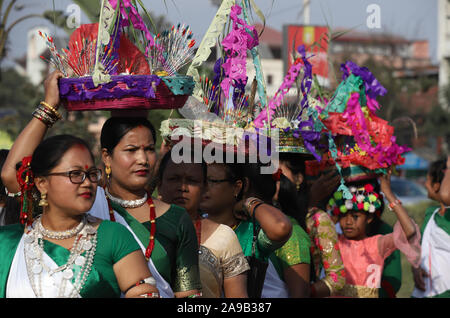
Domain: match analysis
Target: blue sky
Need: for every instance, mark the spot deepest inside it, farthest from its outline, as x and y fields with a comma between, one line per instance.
x=412, y=19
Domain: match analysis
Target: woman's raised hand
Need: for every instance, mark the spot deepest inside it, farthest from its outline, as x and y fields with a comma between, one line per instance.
x=51, y=88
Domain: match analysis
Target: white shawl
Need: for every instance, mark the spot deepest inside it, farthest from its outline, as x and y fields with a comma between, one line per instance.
x=100, y=210
x=435, y=260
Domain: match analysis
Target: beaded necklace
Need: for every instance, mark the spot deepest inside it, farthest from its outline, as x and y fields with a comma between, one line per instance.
x=151, y=243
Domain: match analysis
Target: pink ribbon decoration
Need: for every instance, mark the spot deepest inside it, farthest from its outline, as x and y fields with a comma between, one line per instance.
x=134, y=17
x=236, y=43
x=276, y=101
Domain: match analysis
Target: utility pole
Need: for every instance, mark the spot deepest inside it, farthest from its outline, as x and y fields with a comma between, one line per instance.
x=306, y=12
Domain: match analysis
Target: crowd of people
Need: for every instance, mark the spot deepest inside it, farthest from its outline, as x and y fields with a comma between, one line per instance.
x=138, y=222
x=74, y=228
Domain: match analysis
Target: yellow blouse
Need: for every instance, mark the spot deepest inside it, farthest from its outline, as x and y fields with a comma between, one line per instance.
x=220, y=257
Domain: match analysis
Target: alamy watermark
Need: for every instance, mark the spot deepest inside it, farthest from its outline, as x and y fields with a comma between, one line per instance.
x=73, y=20
x=231, y=145
x=373, y=21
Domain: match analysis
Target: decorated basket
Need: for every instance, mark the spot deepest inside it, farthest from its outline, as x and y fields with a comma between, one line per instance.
x=288, y=143
x=126, y=92
x=217, y=135
x=220, y=109
x=295, y=123
x=118, y=64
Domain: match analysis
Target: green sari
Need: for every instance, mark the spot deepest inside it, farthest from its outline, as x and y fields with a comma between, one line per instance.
x=114, y=242
x=175, y=252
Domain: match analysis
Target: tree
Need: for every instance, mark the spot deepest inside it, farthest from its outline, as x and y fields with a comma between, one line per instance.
x=6, y=27
x=19, y=98
x=437, y=122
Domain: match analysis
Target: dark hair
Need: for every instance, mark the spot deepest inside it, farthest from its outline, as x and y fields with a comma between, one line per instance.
x=165, y=160
x=295, y=162
x=292, y=202
x=49, y=152
x=46, y=156
x=261, y=185
x=436, y=170
x=115, y=128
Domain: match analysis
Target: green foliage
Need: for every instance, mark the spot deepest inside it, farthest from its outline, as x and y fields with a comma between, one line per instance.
x=6, y=25
x=19, y=98
x=437, y=122
x=90, y=8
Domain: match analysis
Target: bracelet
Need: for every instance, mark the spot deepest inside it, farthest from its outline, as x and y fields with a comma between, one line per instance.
x=11, y=194
x=55, y=112
x=149, y=280
x=150, y=295
x=249, y=203
x=394, y=204
x=47, y=119
x=47, y=114
x=43, y=117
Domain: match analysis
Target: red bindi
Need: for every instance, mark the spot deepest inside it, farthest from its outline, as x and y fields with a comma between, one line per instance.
x=86, y=166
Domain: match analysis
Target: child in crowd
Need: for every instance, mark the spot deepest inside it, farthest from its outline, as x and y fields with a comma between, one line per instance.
x=431, y=278
x=364, y=256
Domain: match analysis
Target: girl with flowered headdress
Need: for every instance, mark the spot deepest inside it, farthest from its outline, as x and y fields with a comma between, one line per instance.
x=362, y=146
x=364, y=256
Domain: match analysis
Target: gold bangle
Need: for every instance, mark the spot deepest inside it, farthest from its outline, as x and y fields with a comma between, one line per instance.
x=251, y=204
x=248, y=203
x=52, y=109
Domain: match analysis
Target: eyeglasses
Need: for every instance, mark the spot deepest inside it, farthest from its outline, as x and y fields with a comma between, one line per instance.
x=215, y=181
x=78, y=176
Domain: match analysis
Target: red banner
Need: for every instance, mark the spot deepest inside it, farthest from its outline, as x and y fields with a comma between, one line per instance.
x=314, y=38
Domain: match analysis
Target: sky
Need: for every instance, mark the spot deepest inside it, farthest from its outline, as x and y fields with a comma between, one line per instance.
x=412, y=19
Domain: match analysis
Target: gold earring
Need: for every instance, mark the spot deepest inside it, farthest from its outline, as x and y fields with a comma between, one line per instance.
x=108, y=171
x=298, y=186
x=43, y=202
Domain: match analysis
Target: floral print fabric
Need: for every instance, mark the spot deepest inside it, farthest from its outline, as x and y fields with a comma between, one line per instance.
x=325, y=249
